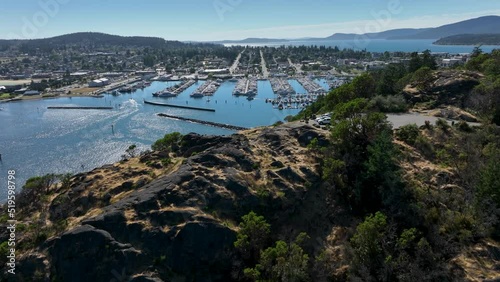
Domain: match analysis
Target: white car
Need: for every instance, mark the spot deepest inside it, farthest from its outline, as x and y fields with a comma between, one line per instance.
x=324, y=121
x=323, y=117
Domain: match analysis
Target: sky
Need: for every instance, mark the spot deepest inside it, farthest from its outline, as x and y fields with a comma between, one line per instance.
x=210, y=20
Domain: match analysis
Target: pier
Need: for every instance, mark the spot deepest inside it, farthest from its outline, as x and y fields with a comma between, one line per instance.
x=175, y=90
x=246, y=87
x=207, y=89
x=297, y=101
x=118, y=85
x=216, y=124
x=281, y=86
x=179, y=106
x=79, y=108
x=310, y=86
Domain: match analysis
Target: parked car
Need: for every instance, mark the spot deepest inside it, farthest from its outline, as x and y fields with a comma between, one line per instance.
x=324, y=121
x=323, y=117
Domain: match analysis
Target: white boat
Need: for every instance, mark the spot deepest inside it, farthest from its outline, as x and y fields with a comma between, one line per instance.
x=197, y=95
x=167, y=94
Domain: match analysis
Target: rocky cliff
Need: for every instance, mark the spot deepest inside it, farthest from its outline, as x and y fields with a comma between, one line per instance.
x=446, y=87
x=123, y=221
x=174, y=217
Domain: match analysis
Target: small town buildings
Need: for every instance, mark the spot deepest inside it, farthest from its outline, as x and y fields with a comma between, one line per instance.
x=31, y=93
x=99, y=82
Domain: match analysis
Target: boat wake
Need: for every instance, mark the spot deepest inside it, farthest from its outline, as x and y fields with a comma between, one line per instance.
x=130, y=104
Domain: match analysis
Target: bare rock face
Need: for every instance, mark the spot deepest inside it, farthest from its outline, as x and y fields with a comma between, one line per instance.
x=70, y=255
x=180, y=226
x=449, y=87
x=453, y=113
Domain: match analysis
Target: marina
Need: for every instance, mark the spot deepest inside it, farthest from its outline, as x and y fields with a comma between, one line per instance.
x=101, y=136
x=310, y=86
x=207, y=89
x=246, y=87
x=175, y=90
x=297, y=101
x=120, y=87
x=281, y=86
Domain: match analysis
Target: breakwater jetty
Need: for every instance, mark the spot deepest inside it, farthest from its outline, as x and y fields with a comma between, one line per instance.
x=79, y=108
x=179, y=106
x=204, y=122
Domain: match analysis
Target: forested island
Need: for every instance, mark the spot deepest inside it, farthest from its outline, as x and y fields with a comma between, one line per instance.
x=470, y=39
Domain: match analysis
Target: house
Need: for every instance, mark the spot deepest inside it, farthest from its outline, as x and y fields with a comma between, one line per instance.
x=112, y=74
x=95, y=83
x=99, y=82
x=453, y=61
x=31, y=93
x=104, y=81
x=20, y=91
x=215, y=71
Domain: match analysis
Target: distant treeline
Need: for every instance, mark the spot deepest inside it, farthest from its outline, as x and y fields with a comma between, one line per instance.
x=89, y=39
x=470, y=39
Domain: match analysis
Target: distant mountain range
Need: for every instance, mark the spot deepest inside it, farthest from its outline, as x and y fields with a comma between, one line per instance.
x=482, y=25
x=251, y=40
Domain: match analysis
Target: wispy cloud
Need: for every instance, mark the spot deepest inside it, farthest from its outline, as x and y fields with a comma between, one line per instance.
x=327, y=29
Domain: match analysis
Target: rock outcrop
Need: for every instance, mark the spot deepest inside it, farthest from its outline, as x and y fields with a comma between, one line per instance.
x=125, y=226
x=448, y=87
x=453, y=113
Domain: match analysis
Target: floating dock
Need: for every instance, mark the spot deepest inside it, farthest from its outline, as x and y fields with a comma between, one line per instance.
x=216, y=124
x=310, y=86
x=246, y=87
x=207, y=89
x=281, y=86
x=80, y=108
x=174, y=91
x=179, y=106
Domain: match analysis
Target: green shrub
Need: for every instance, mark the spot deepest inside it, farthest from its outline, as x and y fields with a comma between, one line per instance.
x=368, y=244
x=464, y=127
x=425, y=147
x=4, y=252
x=166, y=162
x=283, y=262
x=165, y=143
x=389, y=104
x=253, y=235
x=408, y=133
x=443, y=125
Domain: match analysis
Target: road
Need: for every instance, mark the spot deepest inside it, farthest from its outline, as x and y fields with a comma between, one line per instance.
x=265, y=72
x=298, y=68
x=236, y=63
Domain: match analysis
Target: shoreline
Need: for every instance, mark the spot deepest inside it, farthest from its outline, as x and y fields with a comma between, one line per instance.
x=40, y=97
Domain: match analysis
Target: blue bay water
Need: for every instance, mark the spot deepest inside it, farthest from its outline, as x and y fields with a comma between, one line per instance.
x=381, y=45
x=35, y=140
